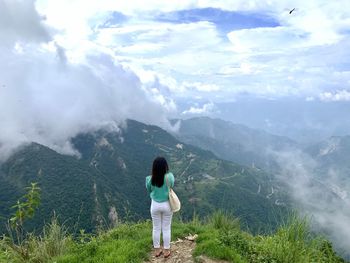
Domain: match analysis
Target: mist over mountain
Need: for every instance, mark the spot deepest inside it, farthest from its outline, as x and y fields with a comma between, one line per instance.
x=315, y=177
x=321, y=193
x=305, y=121
x=301, y=120
x=234, y=142
x=106, y=184
x=333, y=155
x=48, y=99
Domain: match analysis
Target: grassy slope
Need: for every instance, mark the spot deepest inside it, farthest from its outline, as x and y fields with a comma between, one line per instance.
x=220, y=238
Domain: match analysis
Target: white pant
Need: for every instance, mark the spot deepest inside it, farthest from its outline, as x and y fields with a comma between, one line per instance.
x=161, y=218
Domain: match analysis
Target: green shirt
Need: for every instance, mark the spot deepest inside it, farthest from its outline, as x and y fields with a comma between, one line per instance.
x=160, y=194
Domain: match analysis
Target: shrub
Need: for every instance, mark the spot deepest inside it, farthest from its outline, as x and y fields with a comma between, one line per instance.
x=53, y=242
x=224, y=221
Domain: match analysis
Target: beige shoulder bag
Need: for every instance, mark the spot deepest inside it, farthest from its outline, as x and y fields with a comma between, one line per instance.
x=173, y=199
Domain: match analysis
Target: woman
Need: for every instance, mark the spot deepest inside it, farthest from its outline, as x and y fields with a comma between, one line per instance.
x=157, y=185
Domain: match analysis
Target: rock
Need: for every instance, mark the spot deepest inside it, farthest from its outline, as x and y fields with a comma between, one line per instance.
x=192, y=238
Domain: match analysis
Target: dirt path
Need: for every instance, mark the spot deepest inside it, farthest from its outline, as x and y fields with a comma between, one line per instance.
x=181, y=252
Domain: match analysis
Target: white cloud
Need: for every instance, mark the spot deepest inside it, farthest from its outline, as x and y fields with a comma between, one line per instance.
x=203, y=87
x=47, y=99
x=339, y=95
x=141, y=48
x=19, y=22
x=279, y=58
x=62, y=59
x=323, y=197
x=89, y=8
x=244, y=68
x=44, y=102
x=205, y=109
x=264, y=39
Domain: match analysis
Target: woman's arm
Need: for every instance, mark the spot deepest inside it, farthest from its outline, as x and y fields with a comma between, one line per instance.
x=171, y=179
x=148, y=184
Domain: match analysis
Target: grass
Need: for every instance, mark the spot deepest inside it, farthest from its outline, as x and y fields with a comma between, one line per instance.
x=293, y=242
x=219, y=237
x=126, y=243
x=53, y=241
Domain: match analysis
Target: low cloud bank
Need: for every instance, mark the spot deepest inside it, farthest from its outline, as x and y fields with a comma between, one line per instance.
x=47, y=99
x=323, y=196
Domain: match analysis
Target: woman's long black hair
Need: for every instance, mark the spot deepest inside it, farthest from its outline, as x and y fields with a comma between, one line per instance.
x=159, y=169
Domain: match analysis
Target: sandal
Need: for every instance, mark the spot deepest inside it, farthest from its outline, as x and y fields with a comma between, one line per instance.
x=167, y=253
x=158, y=252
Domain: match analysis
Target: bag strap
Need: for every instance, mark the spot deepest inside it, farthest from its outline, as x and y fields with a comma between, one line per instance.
x=167, y=183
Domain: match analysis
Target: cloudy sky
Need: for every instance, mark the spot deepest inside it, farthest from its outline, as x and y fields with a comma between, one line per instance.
x=72, y=65
x=215, y=49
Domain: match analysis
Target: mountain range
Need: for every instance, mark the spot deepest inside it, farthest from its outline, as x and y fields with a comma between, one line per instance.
x=234, y=142
x=105, y=184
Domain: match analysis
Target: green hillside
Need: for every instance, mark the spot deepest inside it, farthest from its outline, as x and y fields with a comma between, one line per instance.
x=105, y=185
x=67, y=186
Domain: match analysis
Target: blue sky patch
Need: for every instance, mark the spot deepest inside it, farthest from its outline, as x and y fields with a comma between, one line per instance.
x=225, y=21
x=115, y=19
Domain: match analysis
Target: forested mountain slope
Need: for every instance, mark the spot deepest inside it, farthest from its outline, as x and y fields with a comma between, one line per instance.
x=106, y=184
